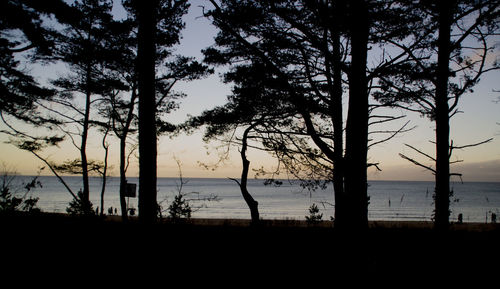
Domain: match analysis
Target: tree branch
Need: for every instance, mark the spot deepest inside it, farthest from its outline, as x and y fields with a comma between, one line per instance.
x=417, y=163
x=471, y=145
x=233, y=179
x=420, y=152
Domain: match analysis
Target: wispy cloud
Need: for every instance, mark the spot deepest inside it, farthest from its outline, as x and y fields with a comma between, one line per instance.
x=486, y=171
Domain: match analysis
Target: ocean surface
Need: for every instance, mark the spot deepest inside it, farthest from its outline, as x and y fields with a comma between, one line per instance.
x=389, y=200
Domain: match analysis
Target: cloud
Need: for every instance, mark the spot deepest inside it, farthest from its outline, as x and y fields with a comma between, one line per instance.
x=486, y=171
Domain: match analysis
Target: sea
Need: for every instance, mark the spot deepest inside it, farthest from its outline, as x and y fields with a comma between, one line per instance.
x=221, y=198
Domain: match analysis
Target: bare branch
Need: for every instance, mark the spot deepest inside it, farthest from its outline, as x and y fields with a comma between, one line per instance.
x=417, y=163
x=470, y=145
x=374, y=165
x=393, y=134
x=384, y=118
x=51, y=167
x=458, y=175
x=233, y=179
x=420, y=152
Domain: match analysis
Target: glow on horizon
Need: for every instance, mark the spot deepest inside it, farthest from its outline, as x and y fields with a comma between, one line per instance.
x=478, y=122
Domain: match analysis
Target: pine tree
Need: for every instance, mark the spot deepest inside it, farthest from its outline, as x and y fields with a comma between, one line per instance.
x=303, y=55
x=82, y=47
x=122, y=101
x=442, y=67
x=159, y=24
x=25, y=35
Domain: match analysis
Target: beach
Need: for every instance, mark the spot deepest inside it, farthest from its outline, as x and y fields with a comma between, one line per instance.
x=386, y=245
x=55, y=249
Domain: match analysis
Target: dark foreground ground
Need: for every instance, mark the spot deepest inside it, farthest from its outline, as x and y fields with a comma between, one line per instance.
x=54, y=247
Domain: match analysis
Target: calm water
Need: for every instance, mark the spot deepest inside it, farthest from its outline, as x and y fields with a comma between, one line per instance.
x=389, y=200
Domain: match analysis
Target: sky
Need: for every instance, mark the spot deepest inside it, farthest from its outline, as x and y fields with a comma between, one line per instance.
x=479, y=121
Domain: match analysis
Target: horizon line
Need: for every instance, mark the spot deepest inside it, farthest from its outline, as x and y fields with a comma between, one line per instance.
x=281, y=179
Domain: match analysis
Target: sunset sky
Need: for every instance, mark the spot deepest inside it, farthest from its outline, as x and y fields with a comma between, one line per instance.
x=479, y=121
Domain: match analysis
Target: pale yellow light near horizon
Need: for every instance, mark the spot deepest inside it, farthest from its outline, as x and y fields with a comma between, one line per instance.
x=191, y=150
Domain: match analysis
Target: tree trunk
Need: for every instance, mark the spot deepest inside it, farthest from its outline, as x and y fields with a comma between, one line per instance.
x=83, y=147
x=336, y=113
x=252, y=204
x=147, y=111
x=357, y=121
x=123, y=159
x=442, y=191
x=123, y=178
x=105, y=170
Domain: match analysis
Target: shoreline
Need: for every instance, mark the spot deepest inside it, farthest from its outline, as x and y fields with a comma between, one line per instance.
x=50, y=217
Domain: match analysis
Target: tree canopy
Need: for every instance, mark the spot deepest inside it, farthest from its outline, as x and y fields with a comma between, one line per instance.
x=312, y=83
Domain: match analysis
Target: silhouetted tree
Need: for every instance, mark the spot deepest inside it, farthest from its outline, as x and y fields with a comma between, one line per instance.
x=24, y=32
x=83, y=48
x=152, y=17
x=26, y=38
x=119, y=105
x=121, y=111
x=146, y=55
x=226, y=121
x=251, y=202
x=448, y=54
x=21, y=95
x=122, y=101
x=309, y=49
x=104, y=171
x=275, y=50
x=15, y=197
x=122, y=114
x=253, y=109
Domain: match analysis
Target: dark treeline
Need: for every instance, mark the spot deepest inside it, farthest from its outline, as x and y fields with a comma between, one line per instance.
x=303, y=87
